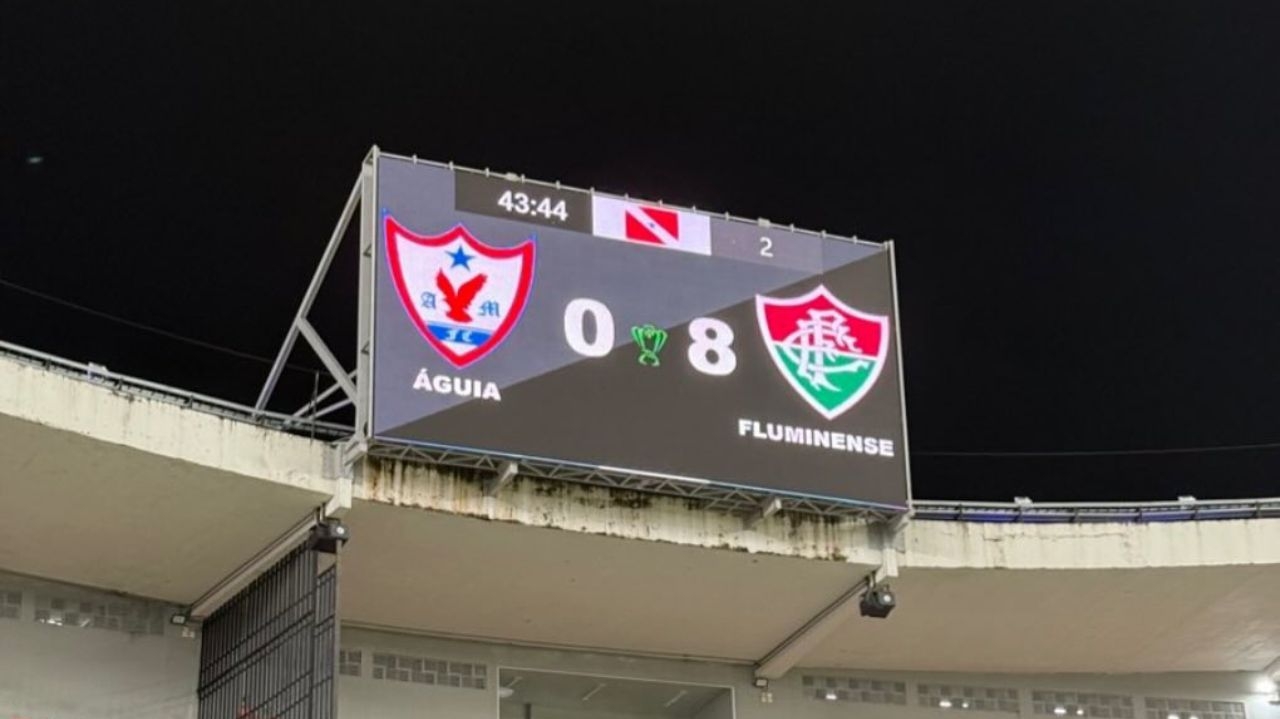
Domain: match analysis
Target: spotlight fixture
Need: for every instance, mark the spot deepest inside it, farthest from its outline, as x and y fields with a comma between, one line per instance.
x=1060, y=711
x=878, y=601
x=329, y=535
x=178, y=619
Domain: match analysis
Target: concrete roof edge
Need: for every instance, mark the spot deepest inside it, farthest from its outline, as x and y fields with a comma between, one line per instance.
x=965, y=545
x=47, y=398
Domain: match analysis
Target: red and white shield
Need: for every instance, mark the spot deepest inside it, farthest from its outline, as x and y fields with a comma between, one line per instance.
x=830, y=353
x=463, y=296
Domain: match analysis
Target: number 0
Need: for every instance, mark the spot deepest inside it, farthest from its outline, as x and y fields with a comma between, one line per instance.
x=574, y=321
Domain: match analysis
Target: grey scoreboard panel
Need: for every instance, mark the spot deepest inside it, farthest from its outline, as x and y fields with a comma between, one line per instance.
x=526, y=320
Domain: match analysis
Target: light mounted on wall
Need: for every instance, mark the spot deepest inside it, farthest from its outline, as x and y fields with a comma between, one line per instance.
x=878, y=601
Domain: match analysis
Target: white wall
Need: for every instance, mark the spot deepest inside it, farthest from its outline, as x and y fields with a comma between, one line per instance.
x=72, y=672
x=720, y=707
x=366, y=697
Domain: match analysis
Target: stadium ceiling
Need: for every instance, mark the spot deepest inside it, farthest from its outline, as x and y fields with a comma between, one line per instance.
x=443, y=574
x=154, y=500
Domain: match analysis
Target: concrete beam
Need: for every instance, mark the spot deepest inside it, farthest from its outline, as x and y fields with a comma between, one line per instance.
x=796, y=647
x=1273, y=670
x=227, y=588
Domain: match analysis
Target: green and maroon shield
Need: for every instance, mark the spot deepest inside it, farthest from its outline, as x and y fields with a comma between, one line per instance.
x=829, y=352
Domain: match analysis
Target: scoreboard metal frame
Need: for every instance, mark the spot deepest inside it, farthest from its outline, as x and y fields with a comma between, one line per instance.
x=359, y=389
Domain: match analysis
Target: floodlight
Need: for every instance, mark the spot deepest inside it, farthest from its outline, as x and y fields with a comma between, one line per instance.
x=330, y=535
x=878, y=601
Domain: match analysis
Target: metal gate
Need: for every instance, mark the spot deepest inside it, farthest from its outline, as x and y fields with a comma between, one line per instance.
x=270, y=652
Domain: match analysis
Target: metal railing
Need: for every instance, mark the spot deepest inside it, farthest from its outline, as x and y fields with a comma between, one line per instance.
x=1184, y=510
x=1181, y=510
x=138, y=387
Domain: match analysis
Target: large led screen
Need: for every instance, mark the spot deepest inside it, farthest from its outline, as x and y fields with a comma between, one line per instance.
x=524, y=320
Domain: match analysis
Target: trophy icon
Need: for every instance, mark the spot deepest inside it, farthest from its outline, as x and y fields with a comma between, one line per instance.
x=650, y=340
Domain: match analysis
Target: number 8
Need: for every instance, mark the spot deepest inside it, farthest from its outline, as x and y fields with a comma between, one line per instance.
x=711, y=337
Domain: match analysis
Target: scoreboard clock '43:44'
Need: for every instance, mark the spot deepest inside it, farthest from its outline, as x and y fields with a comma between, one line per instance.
x=522, y=204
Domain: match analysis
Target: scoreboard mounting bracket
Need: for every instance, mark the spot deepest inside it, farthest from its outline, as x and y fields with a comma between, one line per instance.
x=730, y=499
x=522, y=327
x=348, y=382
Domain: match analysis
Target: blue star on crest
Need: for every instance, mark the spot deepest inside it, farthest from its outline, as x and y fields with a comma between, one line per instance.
x=460, y=258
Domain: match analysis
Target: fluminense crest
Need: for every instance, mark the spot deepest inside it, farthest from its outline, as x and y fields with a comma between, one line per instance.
x=829, y=352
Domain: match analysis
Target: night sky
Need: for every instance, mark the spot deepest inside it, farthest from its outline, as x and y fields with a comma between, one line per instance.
x=1084, y=195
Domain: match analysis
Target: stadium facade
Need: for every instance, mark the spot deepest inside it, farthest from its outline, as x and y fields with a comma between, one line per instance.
x=166, y=555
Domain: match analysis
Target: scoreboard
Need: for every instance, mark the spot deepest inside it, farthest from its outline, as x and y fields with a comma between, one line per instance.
x=531, y=321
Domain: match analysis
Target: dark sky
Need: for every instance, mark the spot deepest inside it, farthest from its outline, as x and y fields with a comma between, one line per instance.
x=1084, y=194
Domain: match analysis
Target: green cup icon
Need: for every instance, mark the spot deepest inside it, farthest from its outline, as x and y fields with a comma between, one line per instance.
x=650, y=340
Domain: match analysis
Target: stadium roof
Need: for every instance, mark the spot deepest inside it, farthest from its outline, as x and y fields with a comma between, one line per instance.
x=124, y=491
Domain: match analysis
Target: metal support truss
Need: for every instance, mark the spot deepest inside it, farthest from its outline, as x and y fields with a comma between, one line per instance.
x=768, y=508
x=706, y=494
x=505, y=476
x=301, y=326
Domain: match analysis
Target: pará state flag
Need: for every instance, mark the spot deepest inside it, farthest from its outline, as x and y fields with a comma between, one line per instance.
x=650, y=225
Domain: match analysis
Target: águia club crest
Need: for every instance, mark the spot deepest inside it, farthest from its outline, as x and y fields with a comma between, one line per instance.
x=828, y=352
x=463, y=295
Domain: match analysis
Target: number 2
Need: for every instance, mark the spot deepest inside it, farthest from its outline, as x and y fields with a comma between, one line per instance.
x=766, y=247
